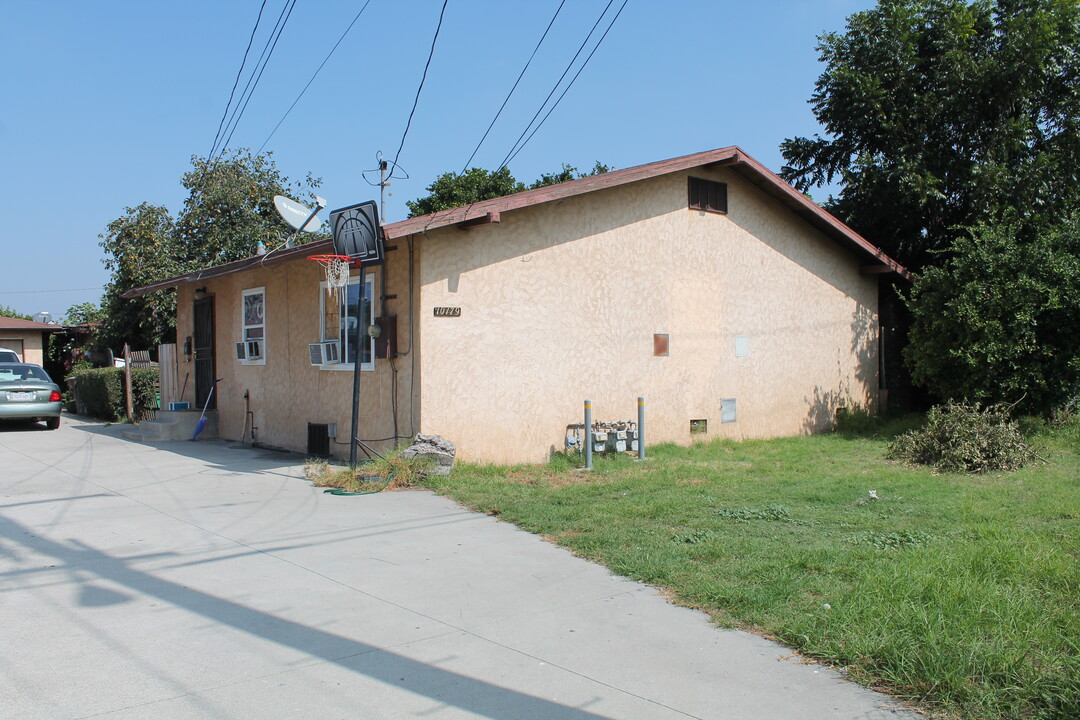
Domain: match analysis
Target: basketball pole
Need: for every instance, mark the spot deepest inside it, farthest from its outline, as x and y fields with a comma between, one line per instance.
x=356, y=441
x=356, y=375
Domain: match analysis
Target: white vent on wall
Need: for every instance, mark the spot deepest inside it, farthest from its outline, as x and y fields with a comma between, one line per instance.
x=325, y=353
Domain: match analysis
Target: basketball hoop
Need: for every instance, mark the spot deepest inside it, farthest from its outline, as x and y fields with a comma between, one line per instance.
x=337, y=273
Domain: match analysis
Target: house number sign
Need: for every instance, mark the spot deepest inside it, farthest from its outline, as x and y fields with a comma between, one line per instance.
x=447, y=312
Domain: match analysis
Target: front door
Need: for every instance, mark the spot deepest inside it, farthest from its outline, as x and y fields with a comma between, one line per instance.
x=204, y=352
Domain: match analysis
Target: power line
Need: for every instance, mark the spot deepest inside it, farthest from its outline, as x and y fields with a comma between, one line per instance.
x=257, y=72
x=314, y=76
x=507, y=99
x=556, y=86
x=28, y=292
x=239, y=74
x=571, y=83
x=422, y=79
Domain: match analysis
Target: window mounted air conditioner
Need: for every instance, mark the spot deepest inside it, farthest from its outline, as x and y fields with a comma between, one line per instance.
x=250, y=350
x=325, y=353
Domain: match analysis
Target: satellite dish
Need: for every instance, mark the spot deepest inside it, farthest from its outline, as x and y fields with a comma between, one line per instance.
x=299, y=215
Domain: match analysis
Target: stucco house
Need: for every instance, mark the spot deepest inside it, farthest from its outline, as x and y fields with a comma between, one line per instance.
x=26, y=337
x=733, y=304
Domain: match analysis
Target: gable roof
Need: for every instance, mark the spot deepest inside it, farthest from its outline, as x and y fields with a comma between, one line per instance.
x=732, y=157
x=10, y=323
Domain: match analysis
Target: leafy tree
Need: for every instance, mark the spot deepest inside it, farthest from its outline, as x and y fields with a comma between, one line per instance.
x=6, y=311
x=451, y=190
x=230, y=207
x=567, y=173
x=83, y=314
x=228, y=210
x=1000, y=319
x=945, y=113
x=140, y=249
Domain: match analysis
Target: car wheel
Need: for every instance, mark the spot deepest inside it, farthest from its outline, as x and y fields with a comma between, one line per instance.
x=52, y=423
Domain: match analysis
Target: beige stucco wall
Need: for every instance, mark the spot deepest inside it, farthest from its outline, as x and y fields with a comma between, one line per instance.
x=559, y=303
x=287, y=392
x=28, y=343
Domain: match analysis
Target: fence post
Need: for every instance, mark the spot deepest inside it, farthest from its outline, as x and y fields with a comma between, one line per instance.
x=641, y=428
x=588, y=435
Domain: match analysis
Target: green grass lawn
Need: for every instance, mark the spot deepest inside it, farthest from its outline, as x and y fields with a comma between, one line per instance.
x=957, y=592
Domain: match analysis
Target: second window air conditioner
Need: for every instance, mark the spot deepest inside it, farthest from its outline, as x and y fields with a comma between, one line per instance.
x=250, y=350
x=325, y=353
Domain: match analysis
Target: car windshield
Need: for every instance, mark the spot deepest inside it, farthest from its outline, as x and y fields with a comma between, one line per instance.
x=20, y=373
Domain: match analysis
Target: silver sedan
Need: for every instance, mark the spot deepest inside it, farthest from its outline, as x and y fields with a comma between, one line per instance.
x=28, y=393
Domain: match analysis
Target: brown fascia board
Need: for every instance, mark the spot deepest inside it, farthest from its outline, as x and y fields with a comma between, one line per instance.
x=273, y=258
x=732, y=157
x=481, y=209
x=488, y=211
x=773, y=185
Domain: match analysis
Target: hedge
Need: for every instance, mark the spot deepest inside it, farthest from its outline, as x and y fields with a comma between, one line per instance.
x=101, y=391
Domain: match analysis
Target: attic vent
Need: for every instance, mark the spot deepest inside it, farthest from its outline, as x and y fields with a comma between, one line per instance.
x=707, y=195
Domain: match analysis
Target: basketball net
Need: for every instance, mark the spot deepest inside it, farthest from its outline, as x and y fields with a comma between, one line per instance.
x=337, y=274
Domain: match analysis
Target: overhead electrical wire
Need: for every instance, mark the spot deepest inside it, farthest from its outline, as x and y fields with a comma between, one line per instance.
x=514, y=147
x=29, y=292
x=421, y=87
x=570, y=84
x=253, y=80
x=315, y=75
x=516, y=82
x=239, y=74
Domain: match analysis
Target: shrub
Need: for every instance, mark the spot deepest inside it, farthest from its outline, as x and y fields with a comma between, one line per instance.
x=144, y=383
x=964, y=438
x=102, y=391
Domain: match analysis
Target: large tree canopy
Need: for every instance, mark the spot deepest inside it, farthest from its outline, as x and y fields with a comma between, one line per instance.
x=140, y=248
x=941, y=114
x=229, y=209
x=999, y=321
x=451, y=190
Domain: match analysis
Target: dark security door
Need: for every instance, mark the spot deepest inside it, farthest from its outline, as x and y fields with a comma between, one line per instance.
x=204, y=352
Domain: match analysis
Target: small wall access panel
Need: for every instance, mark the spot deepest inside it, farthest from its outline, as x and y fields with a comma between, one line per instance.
x=727, y=410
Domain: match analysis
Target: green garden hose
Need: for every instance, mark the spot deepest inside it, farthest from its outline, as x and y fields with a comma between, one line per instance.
x=342, y=491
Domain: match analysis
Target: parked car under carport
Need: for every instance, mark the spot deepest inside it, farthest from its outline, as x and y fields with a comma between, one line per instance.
x=28, y=393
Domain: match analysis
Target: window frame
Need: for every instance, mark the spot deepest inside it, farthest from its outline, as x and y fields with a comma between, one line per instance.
x=369, y=281
x=245, y=326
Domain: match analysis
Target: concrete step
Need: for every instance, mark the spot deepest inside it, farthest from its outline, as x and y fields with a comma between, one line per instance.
x=171, y=425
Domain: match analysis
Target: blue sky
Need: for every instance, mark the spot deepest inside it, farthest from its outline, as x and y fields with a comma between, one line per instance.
x=105, y=102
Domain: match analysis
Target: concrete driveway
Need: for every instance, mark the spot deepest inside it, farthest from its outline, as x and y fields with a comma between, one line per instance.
x=201, y=580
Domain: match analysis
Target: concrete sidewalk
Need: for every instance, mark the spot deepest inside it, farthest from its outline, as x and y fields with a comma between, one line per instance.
x=197, y=580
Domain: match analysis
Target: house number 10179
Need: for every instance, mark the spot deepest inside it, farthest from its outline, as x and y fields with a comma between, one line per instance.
x=447, y=312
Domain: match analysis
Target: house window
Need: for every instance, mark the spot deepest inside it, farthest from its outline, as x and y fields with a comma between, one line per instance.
x=707, y=195
x=253, y=308
x=348, y=322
